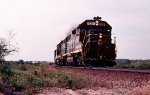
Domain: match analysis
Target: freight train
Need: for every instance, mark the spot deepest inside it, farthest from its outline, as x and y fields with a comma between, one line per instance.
x=89, y=44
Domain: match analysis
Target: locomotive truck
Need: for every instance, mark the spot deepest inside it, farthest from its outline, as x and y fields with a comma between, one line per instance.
x=90, y=43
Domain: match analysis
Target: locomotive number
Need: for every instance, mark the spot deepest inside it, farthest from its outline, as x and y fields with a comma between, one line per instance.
x=96, y=23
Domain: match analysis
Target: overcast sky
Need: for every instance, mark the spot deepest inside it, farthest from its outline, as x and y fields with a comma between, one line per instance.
x=41, y=24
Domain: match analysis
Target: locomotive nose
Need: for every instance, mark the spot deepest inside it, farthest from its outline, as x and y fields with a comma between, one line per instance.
x=92, y=43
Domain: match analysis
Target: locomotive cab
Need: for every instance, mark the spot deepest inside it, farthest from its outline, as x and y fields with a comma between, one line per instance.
x=96, y=38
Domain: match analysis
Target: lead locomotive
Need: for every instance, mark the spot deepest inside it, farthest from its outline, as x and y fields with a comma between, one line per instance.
x=90, y=43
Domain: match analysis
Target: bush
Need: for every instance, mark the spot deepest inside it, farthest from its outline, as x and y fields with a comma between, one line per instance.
x=5, y=70
x=69, y=80
x=17, y=87
x=142, y=65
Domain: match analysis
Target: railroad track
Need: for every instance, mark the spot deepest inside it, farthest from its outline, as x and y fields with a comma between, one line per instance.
x=127, y=70
x=124, y=70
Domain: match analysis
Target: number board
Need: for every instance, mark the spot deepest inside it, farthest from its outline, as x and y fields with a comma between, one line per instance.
x=96, y=23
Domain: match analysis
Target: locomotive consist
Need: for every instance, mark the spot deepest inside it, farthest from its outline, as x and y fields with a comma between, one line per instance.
x=90, y=43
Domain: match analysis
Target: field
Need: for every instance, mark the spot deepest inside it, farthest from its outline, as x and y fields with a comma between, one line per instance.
x=30, y=79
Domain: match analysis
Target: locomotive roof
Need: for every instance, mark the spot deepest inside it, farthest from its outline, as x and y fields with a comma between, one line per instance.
x=92, y=24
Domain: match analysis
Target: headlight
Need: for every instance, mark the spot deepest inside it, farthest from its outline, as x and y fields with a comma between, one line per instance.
x=100, y=41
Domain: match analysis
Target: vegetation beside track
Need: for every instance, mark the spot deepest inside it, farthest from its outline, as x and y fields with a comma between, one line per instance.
x=28, y=78
x=135, y=64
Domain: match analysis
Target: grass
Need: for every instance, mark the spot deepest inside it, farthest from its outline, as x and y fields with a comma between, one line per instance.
x=25, y=76
x=135, y=64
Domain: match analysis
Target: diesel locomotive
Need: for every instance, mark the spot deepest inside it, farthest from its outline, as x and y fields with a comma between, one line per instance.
x=90, y=43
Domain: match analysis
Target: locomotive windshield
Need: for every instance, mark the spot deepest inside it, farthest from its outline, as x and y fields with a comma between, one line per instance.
x=94, y=31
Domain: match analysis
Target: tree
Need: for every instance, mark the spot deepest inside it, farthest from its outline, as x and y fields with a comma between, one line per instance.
x=3, y=49
x=6, y=46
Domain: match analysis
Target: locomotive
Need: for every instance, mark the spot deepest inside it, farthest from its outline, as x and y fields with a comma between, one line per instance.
x=89, y=44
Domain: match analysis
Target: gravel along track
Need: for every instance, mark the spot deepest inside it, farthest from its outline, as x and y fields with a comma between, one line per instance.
x=112, y=69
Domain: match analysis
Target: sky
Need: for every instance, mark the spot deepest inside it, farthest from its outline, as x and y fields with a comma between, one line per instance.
x=39, y=25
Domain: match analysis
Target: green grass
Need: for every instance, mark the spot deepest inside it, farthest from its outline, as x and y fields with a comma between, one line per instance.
x=24, y=76
x=135, y=64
